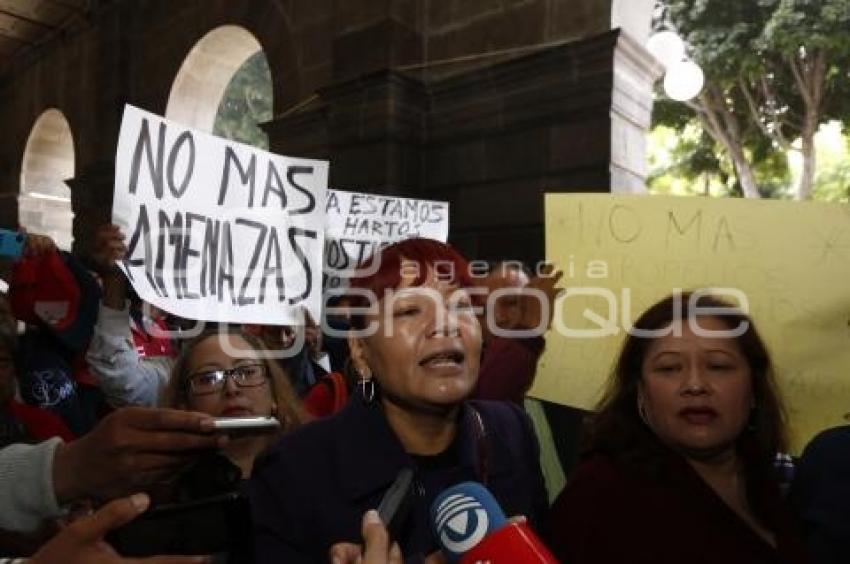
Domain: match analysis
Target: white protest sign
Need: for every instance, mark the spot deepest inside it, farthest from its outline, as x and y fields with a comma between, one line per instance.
x=356, y=224
x=217, y=230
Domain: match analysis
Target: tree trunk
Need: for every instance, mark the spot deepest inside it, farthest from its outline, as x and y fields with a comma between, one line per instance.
x=807, y=180
x=745, y=173
x=722, y=125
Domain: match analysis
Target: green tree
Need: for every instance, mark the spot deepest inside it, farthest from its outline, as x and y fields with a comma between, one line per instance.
x=247, y=101
x=775, y=71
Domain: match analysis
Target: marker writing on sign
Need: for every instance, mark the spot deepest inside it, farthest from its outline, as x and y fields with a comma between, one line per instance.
x=177, y=249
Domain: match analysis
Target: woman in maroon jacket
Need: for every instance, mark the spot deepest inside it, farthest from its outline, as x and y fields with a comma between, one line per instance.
x=679, y=467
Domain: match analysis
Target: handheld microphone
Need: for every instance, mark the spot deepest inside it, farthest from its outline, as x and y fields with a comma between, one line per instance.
x=471, y=528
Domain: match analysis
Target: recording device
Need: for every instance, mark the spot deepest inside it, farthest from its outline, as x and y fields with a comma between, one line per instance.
x=246, y=425
x=470, y=527
x=395, y=504
x=11, y=243
x=215, y=525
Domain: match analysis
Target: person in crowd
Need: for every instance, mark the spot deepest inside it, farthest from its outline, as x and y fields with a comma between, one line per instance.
x=506, y=278
x=57, y=299
x=820, y=495
x=323, y=391
x=226, y=372
x=128, y=355
x=130, y=450
x=509, y=361
x=20, y=422
x=679, y=465
x=305, y=365
x=417, y=353
x=330, y=394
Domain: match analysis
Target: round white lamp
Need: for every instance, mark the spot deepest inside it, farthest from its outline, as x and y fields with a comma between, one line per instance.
x=684, y=80
x=667, y=47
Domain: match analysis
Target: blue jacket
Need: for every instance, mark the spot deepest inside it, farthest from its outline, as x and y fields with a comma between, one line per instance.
x=311, y=490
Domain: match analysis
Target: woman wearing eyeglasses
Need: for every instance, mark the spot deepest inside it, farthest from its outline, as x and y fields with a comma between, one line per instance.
x=224, y=373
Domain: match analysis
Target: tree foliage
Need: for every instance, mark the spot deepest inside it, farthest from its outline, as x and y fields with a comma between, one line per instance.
x=775, y=71
x=247, y=101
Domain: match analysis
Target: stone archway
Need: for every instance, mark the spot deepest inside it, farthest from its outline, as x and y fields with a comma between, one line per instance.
x=205, y=73
x=44, y=201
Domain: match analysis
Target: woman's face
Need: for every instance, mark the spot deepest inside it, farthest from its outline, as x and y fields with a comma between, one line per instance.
x=228, y=398
x=425, y=351
x=696, y=390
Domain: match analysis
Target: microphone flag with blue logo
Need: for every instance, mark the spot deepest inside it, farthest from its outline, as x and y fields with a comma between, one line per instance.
x=462, y=516
x=471, y=528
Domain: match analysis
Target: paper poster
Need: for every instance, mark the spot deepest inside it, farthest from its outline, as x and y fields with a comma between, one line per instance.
x=620, y=254
x=357, y=224
x=218, y=230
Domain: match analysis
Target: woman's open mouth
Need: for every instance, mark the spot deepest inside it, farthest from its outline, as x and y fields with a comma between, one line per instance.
x=451, y=359
x=699, y=415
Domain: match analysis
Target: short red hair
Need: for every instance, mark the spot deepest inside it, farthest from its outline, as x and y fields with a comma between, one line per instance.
x=383, y=270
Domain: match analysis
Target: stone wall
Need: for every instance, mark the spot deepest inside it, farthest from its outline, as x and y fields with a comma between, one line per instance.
x=395, y=92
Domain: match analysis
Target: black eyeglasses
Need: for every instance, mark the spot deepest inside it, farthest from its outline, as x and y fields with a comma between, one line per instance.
x=211, y=381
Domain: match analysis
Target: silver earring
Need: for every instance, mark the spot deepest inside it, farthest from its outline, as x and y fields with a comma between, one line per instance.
x=366, y=385
x=641, y=407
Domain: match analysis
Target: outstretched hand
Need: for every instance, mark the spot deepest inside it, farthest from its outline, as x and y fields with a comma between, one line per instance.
x=82, y=541
x=108, y=248
x=537, y=299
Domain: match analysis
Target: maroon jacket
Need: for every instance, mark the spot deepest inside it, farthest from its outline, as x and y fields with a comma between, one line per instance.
x=607, y=515
x=508, y=367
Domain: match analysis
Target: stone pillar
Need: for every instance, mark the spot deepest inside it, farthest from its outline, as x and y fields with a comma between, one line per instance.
x=502, y=135
x=635, y=73
x=91, y=201
x=371, y=128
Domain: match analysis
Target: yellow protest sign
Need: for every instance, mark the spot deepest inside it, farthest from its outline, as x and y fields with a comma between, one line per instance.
x=620, y=254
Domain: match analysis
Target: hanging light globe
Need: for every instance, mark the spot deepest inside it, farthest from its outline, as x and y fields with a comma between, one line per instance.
x=684, y=81
x=667, y=47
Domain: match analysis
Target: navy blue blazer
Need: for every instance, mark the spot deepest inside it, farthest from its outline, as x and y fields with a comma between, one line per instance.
x=311, y=490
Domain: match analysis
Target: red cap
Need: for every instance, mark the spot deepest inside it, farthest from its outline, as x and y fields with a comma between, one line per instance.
x=43, y=289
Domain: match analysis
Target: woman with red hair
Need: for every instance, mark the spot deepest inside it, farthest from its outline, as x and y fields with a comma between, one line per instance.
x=415, y=344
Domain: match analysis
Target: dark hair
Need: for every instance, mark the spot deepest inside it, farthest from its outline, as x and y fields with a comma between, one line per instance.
x=618, y=431
x=383, y=271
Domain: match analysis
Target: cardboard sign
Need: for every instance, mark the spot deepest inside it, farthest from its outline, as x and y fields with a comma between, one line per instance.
x=357, y=224
x=621, y=254
x=218, y=230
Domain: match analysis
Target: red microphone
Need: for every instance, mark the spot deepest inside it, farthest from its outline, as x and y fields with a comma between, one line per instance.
x=471, y=528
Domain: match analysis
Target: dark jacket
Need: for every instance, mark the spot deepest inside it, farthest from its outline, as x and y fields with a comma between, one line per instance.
x=311, y=490
x=821, y=496
x=608, y=514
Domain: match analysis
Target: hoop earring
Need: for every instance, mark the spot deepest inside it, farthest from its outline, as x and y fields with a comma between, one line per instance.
x=366, y=385
x=641, y=408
